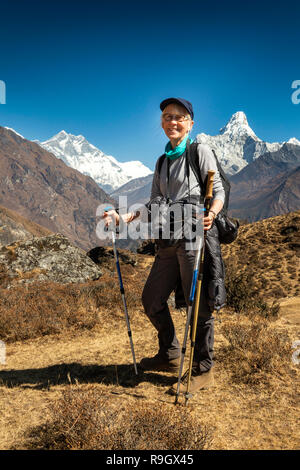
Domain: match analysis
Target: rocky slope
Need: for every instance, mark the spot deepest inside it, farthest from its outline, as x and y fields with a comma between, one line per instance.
x=45, y=190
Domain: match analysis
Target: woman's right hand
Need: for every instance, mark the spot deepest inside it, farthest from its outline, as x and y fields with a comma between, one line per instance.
x=208, y=221
x=111, y=216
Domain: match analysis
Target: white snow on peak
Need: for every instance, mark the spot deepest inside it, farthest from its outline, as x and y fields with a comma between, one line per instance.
x=238, y=125
x=294, y=141
x=85, y=157
x=10, y=129
x=237, y=145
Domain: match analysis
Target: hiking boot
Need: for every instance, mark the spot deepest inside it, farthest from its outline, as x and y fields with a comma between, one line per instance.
x=160, y=363
x=199, y=381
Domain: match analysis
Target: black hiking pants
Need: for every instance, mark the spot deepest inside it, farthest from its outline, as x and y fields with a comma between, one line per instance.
x=171, y=264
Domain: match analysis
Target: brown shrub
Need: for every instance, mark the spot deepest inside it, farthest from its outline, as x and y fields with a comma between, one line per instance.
x=39, y=309
x=4, y=277
x=87, y=419
x=256, y=352
x=243, y=294
x=42, y=309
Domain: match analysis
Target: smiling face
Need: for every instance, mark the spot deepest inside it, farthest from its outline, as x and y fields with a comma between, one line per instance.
x=176, y=130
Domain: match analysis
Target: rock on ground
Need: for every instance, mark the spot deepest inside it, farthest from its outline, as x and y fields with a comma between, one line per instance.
x=50, y=258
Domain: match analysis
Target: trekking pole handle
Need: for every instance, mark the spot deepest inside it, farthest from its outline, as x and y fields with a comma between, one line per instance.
x=209, y=186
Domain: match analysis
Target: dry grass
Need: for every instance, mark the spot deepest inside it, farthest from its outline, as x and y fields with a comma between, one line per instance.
x=46, y=308
x=243, y=296
x=268, y=252
x=43, y=309
x=45, y=375
x=91, y=419
x=70, y=383
x=4, y=277
x=257, y=353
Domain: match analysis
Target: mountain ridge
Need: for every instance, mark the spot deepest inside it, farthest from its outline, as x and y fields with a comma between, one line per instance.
x=77, y=152
x=268, y=186
x=42, y=188
x=237, y=145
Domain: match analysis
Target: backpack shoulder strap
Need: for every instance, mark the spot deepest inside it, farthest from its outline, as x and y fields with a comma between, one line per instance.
x=193, y=160
x=160, y=162
x=225, y=182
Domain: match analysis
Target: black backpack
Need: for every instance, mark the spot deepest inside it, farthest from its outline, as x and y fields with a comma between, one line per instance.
x=228, y=228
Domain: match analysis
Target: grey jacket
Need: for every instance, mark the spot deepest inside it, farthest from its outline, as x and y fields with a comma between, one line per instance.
x=180, y=188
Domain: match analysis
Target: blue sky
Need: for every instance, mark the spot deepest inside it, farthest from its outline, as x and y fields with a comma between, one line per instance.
x=101, y=68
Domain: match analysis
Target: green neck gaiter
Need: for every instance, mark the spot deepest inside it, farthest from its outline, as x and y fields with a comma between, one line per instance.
x=177, y=151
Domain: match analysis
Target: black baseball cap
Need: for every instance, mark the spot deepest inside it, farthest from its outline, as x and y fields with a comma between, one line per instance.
x=188, y=106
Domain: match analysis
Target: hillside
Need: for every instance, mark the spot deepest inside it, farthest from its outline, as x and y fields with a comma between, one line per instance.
x=14, y=227
x=71, y=384
x=136, y=191
x=267, y=187
x=43, y=189
x=269, y=251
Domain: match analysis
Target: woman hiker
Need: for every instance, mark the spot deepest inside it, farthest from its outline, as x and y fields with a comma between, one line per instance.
x=176, y=262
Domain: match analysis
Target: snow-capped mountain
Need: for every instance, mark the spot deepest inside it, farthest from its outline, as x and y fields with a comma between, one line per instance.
x=81, y=155
x=293, y=141
x=10, y=129
x=237, y=145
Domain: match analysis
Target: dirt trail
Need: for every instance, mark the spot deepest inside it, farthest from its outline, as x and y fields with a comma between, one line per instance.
x=290, y=309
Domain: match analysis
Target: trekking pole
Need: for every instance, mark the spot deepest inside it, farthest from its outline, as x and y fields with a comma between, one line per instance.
x=122, y=290
x=189, y=314
x=207, y=201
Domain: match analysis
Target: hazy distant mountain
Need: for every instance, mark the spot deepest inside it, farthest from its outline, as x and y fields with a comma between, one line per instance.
x=237, y=145
x=268, y=186
x=136, y=191
x=42, y=188
x=79, y=154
